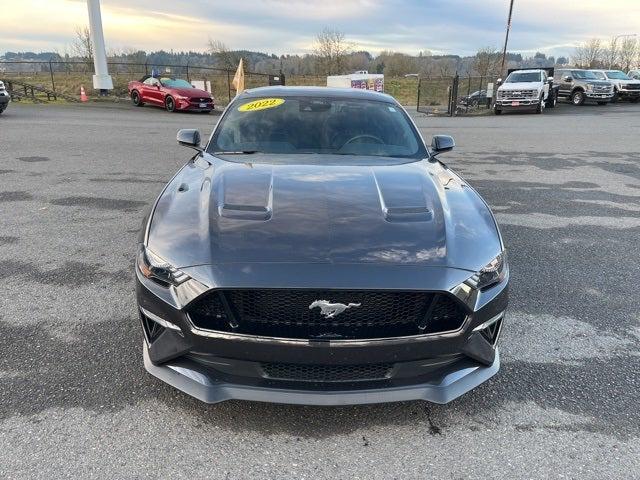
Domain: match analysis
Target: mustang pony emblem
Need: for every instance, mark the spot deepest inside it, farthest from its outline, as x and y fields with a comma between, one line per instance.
x=330, y=310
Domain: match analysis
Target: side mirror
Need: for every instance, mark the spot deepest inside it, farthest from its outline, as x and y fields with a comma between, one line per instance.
x=550, y=79
x=441, y=144
x=567, y=79
x=499, y=81
x=189, y=137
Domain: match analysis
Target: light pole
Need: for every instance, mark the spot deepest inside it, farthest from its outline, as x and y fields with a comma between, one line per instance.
x=506, y=38
x=614, y=43
x=101, y=80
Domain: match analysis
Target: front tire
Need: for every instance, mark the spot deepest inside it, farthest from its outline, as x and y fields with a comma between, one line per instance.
x=170, y=104
x=136, y=99
x=602, y=103
x=552, y=100
x=540, y=107
x=578, y=97
x=635, y=100
x=497, y=111
x=615, y=97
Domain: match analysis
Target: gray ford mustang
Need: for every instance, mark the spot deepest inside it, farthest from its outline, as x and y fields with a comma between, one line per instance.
x=316, y=251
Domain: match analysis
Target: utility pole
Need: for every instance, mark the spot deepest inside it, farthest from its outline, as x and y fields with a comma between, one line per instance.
x=506, y=39
x=101, y=80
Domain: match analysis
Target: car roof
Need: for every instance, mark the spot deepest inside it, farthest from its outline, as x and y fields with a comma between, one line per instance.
x=348, y=93
x=529, y=70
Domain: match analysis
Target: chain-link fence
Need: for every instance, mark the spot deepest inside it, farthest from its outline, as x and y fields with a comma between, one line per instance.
x=455, y=95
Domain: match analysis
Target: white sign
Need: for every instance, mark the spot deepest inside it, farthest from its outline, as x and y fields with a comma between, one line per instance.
x=489, y=90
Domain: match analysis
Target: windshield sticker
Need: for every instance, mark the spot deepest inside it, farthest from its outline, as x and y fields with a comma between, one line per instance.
x=261, y=104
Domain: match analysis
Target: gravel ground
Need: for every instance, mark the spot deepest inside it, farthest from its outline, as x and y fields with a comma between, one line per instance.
x=76, y=402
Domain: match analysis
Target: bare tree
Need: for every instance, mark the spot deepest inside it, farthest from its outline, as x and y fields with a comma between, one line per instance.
x=81, y=45
x=611, y=54
x=397, y=64
x=447, y=67
x=486, y=61
x=629, y=50
x=331, y=49
x=589, y=54
x=225, y=57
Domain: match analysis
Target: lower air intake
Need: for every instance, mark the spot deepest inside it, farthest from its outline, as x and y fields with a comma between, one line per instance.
x=326, y=373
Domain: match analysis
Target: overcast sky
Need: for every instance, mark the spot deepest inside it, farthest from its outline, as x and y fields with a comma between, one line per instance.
x=288, y=26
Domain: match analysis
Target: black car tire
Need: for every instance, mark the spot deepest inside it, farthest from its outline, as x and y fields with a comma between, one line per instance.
x=602, y=103
x=578, y=97
x=552, y=99
x=136, y=99
x=635, y=100
x=615, y=97
x=170, y=104
x=497, y=111
x=540, y=107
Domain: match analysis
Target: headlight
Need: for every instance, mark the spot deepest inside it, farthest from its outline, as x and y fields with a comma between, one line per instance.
x=491, y=274
x=154, y=268
x=589, y=87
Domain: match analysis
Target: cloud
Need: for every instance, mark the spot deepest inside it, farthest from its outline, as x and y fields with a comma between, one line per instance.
x=288, y=26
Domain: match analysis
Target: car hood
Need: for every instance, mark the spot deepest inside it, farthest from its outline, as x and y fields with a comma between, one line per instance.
x=598, y=82
x=191, y=92
x=520, y=86
x=217, y=211
x=627, y=82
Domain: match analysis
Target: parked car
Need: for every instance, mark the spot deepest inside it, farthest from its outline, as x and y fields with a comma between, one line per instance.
x=624, y=87
x=635, y=74
x=316, y=251
x=527, y=89
x=579, y=86
x=474, y=99
x=171, y=93
x=5, y=97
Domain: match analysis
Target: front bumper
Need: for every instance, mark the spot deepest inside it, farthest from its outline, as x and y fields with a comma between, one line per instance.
x=599, y=96
x=214, y=367
x=629, y=93
x=191, y=106
x=198, y=381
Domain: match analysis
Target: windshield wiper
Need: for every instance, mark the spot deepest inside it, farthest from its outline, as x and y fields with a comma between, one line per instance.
x=237, y=152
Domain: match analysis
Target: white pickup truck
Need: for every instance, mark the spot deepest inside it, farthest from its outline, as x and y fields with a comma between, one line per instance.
x=5, y=97
x=531, y=89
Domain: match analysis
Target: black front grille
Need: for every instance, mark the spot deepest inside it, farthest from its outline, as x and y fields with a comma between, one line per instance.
x=633, y=86
x=326, y=373
x=286, y=313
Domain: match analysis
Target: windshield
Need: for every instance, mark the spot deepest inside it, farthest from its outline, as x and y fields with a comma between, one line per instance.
x=583, y=75
x=617, y=75
x=297, y=125
x=517, y=77
x=175, y=83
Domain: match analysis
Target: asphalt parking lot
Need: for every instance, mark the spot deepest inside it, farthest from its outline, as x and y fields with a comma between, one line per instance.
x=75, y=400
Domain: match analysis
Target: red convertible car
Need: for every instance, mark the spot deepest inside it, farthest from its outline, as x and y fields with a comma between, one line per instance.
x=171, y=93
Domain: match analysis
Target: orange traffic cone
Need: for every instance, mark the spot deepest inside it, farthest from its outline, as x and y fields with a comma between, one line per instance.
x=83, y=95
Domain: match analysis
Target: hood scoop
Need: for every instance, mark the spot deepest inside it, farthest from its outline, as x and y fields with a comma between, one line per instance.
x=246, y=195
x=402, y=198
